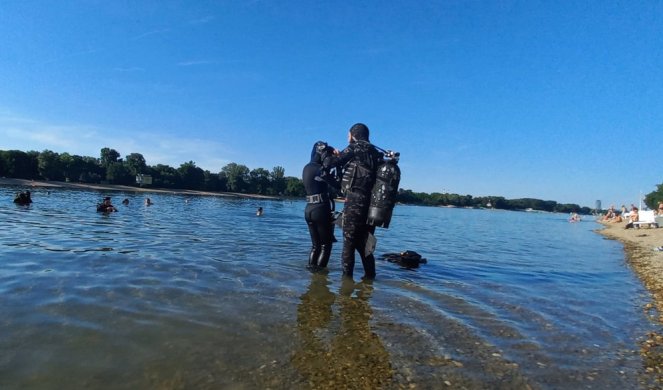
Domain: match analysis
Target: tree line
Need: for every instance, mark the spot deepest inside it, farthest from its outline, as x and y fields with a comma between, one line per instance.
x=496, y=202
x=110, y=168
x=653, y=198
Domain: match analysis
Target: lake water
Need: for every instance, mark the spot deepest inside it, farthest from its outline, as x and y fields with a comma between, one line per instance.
x=199, y=292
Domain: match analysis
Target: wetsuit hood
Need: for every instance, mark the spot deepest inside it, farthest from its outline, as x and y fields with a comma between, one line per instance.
x=319, y=152
x=359, y=131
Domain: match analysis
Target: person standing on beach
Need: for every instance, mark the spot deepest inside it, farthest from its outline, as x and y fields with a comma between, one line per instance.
x=319, y=205
x=360, y=161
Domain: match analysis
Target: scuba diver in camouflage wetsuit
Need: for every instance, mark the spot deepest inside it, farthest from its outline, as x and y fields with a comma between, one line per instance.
x=360, y=161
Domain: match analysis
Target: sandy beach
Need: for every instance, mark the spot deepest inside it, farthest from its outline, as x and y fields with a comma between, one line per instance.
x=647, y=263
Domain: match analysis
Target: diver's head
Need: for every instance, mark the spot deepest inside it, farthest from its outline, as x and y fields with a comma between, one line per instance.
x=359, y=132
x=320, y=151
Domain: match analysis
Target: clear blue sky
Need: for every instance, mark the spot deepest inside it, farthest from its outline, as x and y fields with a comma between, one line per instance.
x=555, y=100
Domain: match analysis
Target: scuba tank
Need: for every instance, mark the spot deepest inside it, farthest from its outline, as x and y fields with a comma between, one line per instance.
x=385, y=191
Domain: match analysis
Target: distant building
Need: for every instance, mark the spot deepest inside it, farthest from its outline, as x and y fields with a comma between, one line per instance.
x=142, y=180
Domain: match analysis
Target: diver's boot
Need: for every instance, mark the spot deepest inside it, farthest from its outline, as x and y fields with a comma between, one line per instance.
x=313, y=257
x=323, y=258
x=369, y=267
x=347, y=270
x=348, y=267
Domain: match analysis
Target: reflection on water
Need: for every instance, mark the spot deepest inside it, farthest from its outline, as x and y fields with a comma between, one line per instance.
x=343, y=351
x=200, y=293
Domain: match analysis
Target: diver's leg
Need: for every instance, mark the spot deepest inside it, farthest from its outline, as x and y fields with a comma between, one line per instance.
x=354, y=218
x=369, y=266
x=326, y=234
x=349, y=239
x=368, y=261
x=325, y=252
x=315, y=239
x=348, y=257
x=315, y=245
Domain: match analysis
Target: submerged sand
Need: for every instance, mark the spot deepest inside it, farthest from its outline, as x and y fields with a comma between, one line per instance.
x=639, y=246
x=647, y=263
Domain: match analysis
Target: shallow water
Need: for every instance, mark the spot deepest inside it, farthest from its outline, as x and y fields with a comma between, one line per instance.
x=198, y=292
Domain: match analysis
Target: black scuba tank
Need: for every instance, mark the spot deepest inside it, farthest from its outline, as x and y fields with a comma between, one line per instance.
x=384, y=193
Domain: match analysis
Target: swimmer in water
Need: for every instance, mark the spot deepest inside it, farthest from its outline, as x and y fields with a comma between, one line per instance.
x=106, y=206
x=23, y=198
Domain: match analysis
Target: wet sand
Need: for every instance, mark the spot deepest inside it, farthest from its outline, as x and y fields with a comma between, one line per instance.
x=29, y=184
x=647, y=263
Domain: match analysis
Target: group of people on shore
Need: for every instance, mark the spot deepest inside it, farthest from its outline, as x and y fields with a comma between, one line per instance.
x=352, y=171
x=627, y=215
x=623, y=215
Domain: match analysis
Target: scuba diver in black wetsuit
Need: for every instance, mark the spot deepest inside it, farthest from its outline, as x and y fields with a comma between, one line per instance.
x=319, y=205
x=360, y=161
x=23, y=198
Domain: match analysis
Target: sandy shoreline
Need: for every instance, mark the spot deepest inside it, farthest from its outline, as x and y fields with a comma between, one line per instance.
x=28, y=184
x=647, y=263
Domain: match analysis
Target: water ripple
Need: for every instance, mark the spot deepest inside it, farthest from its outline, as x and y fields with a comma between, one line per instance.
x=198, y=292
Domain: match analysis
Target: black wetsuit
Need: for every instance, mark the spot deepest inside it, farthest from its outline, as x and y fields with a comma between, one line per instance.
x=23, y=198
x=318, y=212
x=105, y=208
x=357, y=201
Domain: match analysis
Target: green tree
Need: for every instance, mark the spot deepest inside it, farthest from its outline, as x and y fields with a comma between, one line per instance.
x=277, y=177
x=165, y=176
x=66, y=164
x=50, y=166
x=86, y=169
x=259, y=181
x=135, y=163
x=3, y=164
x=498, y=202
x=223, y=181
x=294, y=187
x=108, y=156
x=653, y=198
x=22, y=165
x=191, y=176
x=117, y=173
x=212, y=182
x=407, y=196
x=237, y=176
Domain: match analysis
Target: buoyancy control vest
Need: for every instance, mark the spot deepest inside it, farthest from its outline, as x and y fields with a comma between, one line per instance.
x=359, y=172
x=384, y=192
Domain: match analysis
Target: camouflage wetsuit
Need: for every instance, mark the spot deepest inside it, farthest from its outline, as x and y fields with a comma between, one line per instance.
x=365, y=158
